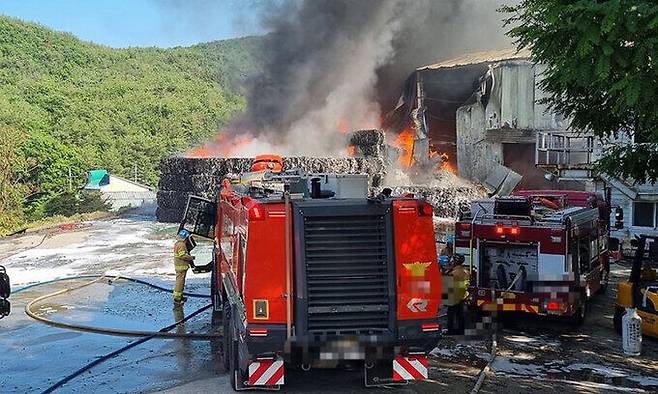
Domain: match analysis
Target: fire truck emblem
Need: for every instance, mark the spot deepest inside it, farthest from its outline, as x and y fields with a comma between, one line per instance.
x=417, y=305
x=418, y=268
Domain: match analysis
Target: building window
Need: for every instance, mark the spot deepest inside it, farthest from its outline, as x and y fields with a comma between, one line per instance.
x=644, y=214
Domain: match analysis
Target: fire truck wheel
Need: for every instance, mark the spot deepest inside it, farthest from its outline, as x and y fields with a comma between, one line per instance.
x=216, y=302
x=604, y=282
x=578, y=317
x=226, y=334
x=616, y=319
x=236, y=375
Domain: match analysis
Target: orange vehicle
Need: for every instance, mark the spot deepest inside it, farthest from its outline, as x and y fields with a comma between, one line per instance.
x=309, y=271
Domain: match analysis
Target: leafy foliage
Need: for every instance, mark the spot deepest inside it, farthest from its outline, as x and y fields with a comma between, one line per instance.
x=602, y=72
x=70, y=203
x=68, y=105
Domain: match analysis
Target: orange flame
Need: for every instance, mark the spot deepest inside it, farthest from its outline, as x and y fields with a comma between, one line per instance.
x=405, y=141
x=351, y=150
x=445, y=163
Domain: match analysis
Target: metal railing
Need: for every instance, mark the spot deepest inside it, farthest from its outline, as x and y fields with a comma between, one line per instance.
x=565, y=150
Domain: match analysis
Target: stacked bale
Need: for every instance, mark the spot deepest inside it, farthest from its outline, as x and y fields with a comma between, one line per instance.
x=369, y=142
x=181, y=177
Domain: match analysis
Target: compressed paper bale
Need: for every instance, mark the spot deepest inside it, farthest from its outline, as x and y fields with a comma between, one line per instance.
x=181, y=177
x=167, y=215
x=369, y=142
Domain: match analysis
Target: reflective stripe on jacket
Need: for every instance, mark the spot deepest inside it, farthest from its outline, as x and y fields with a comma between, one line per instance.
x=456, y=284
x=181, y=256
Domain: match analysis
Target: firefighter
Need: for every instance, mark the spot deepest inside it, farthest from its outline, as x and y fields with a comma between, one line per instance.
x=457, y=281
x=182, y=262
x=448, y=249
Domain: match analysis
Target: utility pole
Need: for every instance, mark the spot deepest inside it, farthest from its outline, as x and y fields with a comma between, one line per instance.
x=135, y=176
x=70, y=180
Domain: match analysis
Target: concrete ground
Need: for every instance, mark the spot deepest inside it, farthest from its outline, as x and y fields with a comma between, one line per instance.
x=534, y=354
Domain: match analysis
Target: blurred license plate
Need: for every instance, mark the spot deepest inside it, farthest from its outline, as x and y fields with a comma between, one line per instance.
x=342, y=350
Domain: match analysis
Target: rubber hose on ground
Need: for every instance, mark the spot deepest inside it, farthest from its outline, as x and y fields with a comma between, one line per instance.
x=119, y=351
x=102, y=330
x=88, y=276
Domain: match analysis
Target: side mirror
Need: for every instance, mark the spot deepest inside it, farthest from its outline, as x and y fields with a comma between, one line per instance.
x=190, y=243
x=5, y=291
x=619, y=218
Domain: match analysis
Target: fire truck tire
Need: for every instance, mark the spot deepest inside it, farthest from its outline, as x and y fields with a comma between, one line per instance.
x=233, y=354
x=605, y=280
x=227, y=334
x=578, y=318
x=217, y=303
x=616, y=319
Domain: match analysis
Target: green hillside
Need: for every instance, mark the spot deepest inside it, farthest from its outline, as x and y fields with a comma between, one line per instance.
x=66, y=104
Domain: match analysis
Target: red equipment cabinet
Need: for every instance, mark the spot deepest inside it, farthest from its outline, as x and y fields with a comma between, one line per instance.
x=541, y=252
x=358, y=280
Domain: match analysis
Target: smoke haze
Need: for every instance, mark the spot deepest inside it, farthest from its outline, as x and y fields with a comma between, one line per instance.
x=338, y=65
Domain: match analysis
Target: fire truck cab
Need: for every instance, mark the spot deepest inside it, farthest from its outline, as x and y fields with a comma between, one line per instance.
x=309, y=271
x=539, y=252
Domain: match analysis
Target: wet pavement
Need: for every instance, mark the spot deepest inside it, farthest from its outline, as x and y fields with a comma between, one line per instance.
x=533, y=355
x=33, y=355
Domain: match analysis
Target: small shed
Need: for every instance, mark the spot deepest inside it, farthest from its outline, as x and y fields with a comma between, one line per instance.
x=120, y=192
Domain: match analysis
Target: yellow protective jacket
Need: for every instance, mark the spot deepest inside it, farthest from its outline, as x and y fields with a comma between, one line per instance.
x=456, y=283
x=182, y=257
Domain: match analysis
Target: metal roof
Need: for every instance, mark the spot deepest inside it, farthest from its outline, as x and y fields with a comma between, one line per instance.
x=480, y=57
x=97, y=178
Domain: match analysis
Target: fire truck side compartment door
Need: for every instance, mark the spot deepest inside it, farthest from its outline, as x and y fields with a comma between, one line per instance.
x=200, y=217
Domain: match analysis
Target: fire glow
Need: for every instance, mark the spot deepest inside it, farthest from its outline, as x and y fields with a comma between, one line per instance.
x=224, y=145
x=227, y=144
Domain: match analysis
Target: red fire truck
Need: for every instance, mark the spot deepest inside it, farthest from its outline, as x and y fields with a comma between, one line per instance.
x=309, y=271
x=543, y=252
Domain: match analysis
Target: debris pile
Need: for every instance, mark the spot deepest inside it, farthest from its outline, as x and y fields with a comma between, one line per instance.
x=447, y=192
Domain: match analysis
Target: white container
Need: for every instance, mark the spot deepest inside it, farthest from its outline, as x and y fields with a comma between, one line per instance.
x=631, y=332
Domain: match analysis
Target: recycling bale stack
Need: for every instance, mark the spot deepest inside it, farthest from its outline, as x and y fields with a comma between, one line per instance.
x=182, y=176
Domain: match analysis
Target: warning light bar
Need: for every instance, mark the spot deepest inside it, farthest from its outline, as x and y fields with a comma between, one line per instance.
x=515, y=230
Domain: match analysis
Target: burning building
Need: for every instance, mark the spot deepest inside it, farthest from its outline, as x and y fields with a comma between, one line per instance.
x=484, y=110
x=480, y=111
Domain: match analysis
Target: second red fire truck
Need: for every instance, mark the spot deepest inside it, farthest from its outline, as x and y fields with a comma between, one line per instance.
x=310, y=271
x=539, y=252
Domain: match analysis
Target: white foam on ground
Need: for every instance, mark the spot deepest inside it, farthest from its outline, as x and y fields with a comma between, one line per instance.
x=510, y=366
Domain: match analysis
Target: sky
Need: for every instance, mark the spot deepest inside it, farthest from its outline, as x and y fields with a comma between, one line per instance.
x=124, y=23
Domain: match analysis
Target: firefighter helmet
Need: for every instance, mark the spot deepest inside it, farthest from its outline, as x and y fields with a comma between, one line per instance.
x=184, y=234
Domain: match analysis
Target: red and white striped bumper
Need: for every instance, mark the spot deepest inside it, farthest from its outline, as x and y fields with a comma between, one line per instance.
x=409, y=368
x=266, y=372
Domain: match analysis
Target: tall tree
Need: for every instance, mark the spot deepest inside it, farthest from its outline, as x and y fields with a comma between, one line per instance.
x=602, y=72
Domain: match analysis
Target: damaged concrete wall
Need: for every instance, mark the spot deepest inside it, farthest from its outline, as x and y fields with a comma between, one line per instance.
x=510, y=116
x=477, y=158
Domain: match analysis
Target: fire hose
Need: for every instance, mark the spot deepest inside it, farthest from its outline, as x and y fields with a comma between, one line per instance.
x=115, y=353
x=494, y=347
x=147, y=335
x=101, y=330
x=486, y=368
